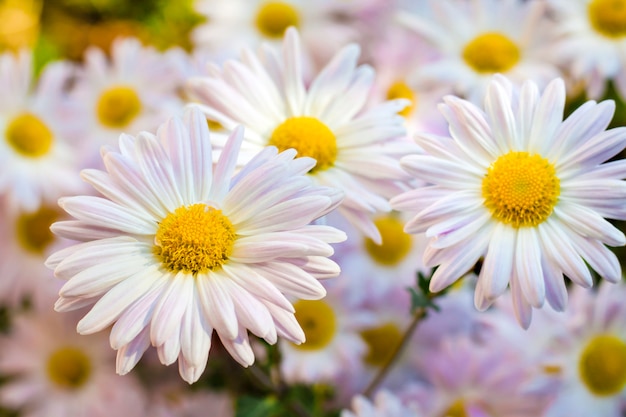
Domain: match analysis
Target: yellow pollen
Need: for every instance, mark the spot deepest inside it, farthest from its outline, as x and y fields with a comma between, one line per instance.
x=608, y=17
x=194, y=239
x=602, y=365
x=457, y=409
x=521, y=189
x=400, y=89
x=69, y=367
x=309, y=137
x=491, y=52
x=318, y=322
x=381, y=341
x=29, y=136
x=274, y=17
x=33, y=229
x=396, y=244
x=118, y=106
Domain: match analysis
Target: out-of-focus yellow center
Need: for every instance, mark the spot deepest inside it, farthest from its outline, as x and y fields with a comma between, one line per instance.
x=602, y=365
x=457, y=409
x=608, y=17
x=274, y=17
x=395, y=245
x=491, y=52
x=69, y=367
x=29, y=136
x=521, y=189
x=118, y=106
x=381, y=341
x=309, y=137
x=318, y=321
x=400, y=89
x=194, y=239
x=33, y=229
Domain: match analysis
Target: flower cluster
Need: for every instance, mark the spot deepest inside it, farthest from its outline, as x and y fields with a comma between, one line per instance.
x=313, y=209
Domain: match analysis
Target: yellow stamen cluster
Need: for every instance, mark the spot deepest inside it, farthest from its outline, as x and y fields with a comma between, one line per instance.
x=33, y=229
x=395, y=245
x=29, y=136
x=274, y=17
x=381, y=341
x=602, y=365
x=491, y=52
x=400, y=89
x=521, y=189
x=309, y=137
x=608, y=17
x=118, y=106
x=318, y=321
x=69, y=367
x=457, y=409
x=194, y=239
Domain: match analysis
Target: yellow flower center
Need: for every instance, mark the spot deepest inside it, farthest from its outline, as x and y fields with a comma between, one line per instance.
x=457, y=409
x=602, y=365
x=381, y=341
x=491, y=52
x=194, y=239
x=309, y=137
x=521, y=189
x=395, y=245
x=318, y=322
x=29, y=136
x=33, y=229
x=608, y=17
x=400, y=89
x=118, y=106
x=69, y=367
x=274, y=17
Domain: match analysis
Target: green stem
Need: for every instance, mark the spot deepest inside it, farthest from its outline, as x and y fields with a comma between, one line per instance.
x=418, y=315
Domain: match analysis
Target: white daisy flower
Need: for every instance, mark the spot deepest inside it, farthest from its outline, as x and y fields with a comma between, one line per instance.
x=385, y=404
x=133, y=90
x=26, y=243
x=333, y=344
x=357, y=149
x=522, y=188
x=592, y=42
x=39, y=163
x=236, y=24
x=591, y=358
x=476, y=39
x=55, y=372
x=180, y=247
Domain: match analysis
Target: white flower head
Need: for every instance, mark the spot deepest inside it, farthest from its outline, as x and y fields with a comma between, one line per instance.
x=592, y=42
x=385, y=404
x=356, y=148
x=39, y=162
x=476, y=39
x=179, y=247
x=523, y=188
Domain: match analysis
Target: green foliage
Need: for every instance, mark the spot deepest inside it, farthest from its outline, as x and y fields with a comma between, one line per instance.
x=421, y=296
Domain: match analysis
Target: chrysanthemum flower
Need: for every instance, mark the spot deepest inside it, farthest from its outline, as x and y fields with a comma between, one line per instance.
x=522, y=188
x=590, y=359
x=480, y=38
x=133, y=90
x=385, y=404
x=39, y=162
x=179, y=247
x=236, y=24
x=356, y=149
x=52, y=371
x=592, y=42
